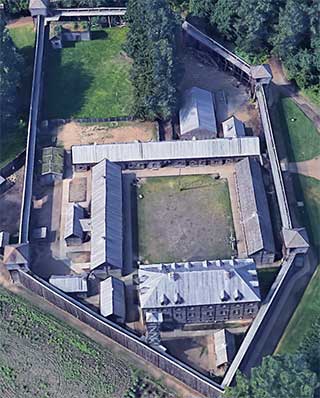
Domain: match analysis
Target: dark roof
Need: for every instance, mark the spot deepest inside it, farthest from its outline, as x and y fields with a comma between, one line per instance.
x=72, y=227
x=255, y=215
x=52, y=160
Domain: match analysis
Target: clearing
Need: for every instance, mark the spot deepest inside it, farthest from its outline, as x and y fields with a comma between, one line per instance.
x=90, y=79
x=104, y=133
x=184, y=218
x=40, y=356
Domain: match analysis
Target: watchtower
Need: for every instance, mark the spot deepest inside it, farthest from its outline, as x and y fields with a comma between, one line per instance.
x=39, y=7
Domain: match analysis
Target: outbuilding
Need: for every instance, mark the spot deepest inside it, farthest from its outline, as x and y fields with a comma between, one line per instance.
x=52, y=163
x=112, y=299
x=73, y=233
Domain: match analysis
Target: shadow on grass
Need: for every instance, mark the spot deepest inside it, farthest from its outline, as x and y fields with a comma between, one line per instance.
x=99, y=35
x=65, y=87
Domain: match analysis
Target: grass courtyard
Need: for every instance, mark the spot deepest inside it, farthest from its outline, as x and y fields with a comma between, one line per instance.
x=184, y=218
x=90, y=79
x=41, y=357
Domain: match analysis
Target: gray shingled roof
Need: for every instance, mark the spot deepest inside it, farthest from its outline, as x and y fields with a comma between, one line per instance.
x=197, y=113
x=70, y=283
x=166, y=150
x=112, y=298
x=106, y=215
x=198, y=283
x=72, y=227
x=233, y=127
x=225, y=349
x=255, y=215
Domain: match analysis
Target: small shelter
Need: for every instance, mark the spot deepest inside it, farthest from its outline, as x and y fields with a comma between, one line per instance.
x=112, y=299
x=261, y=73
x=70, y=283
x=16, y=257
x=197, y=115
x=73, y=233
x=52, y=163
x=224, y=344
x=233, y=128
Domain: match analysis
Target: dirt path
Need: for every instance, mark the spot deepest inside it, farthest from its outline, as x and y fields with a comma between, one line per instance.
x=288, y=89
x=15, y=23
x=310, y=168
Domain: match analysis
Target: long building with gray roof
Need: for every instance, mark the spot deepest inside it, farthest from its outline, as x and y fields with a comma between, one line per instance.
x=73, y=233
x=254, y=210
x=112, y=299
x=135, y=154
x=200, y=291
x=106, y=216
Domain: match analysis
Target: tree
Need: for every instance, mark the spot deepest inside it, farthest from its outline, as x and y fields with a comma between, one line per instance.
x=10, y=66
x=224, y=16
x=201, y=8
x=281, y=376
x=152, y=45
x=14, y=7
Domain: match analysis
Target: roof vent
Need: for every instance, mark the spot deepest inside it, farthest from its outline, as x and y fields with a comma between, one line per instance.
x=228, y=273
x=177, y=298
x=173, y=276
x=205, y=264
x=224, y=295
x=237, y=295
x=164, y=300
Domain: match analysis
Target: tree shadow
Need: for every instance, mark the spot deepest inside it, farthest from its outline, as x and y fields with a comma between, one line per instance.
x=65, y=86
x=99, y=35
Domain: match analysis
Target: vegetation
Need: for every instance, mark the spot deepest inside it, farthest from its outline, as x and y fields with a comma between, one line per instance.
x=287, y=28
x=90, y=79
x=152, y=45
x=40, y=356
x=281, y=376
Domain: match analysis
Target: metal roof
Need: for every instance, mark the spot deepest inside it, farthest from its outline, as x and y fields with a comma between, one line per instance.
x=106, y=215
x=70, y=283
x=198, y=283
x=197, y=114
x=295, y=238
x=38, y=4
x=112, y=298
x=52, y=160
x=72, y=227
x=224, y=344
x=233, y=127
x=255, y=215
x=166, y=150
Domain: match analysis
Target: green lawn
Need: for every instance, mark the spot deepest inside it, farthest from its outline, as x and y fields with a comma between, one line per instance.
x=90, y=79
x=303, y=318
x=13, y=142
x=184, y=218
x=42, y=357
x=299, y=133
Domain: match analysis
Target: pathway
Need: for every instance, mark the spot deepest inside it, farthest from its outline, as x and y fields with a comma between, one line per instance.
x=309, y=168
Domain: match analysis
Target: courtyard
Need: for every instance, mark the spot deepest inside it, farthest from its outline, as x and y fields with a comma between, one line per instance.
x=184, y=218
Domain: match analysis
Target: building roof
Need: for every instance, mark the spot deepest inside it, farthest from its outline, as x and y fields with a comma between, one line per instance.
x=261, y=71
x=70, y=283
x=233, y=128
x=112, y=298
x=39, y=4
x=295, y=238
x=225, y=348
x=52, y=160
x=166, y=150
x=72, y=226
x=2, y=180
x=197, y=113
x=4, y=238
x=16, y=254
x=198, y=283
x=106, y=215
x=255, y=215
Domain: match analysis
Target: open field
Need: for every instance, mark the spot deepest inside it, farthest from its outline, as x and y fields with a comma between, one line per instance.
x=298, y=133
x=14, y=141
x=41, y=357
x=184, y=218
x=90, y=78
x=104, y=133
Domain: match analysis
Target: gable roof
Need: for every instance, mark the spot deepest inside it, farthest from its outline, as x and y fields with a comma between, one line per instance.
x=16, y=254
x=52, y=160
x=261, y=71
x=198, y=283
x=225, y=349
x=72, y=227
x=112, y=298
x=255, y=215
x=295, y=238
x=233, y=127
x=39, y=4
x=197, y=112
x=70, y=283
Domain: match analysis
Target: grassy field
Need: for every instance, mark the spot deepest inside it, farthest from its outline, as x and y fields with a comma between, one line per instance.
x=41, y=357
x=14, y=141
x=184, y=218
x=299, y=133
x=90, y=79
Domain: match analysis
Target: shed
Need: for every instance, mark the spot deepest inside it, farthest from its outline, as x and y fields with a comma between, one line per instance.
x=4, y=240
x=112, y=299
x=225, y=349
x=197, y=115
x=52, y=163
x=73, y=233
x=16, y=256
x=254, y=211
x=233, y=128
x=70, y=283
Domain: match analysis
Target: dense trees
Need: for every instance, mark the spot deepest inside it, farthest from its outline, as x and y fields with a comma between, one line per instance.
x=10, y=66
x=152, y=45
